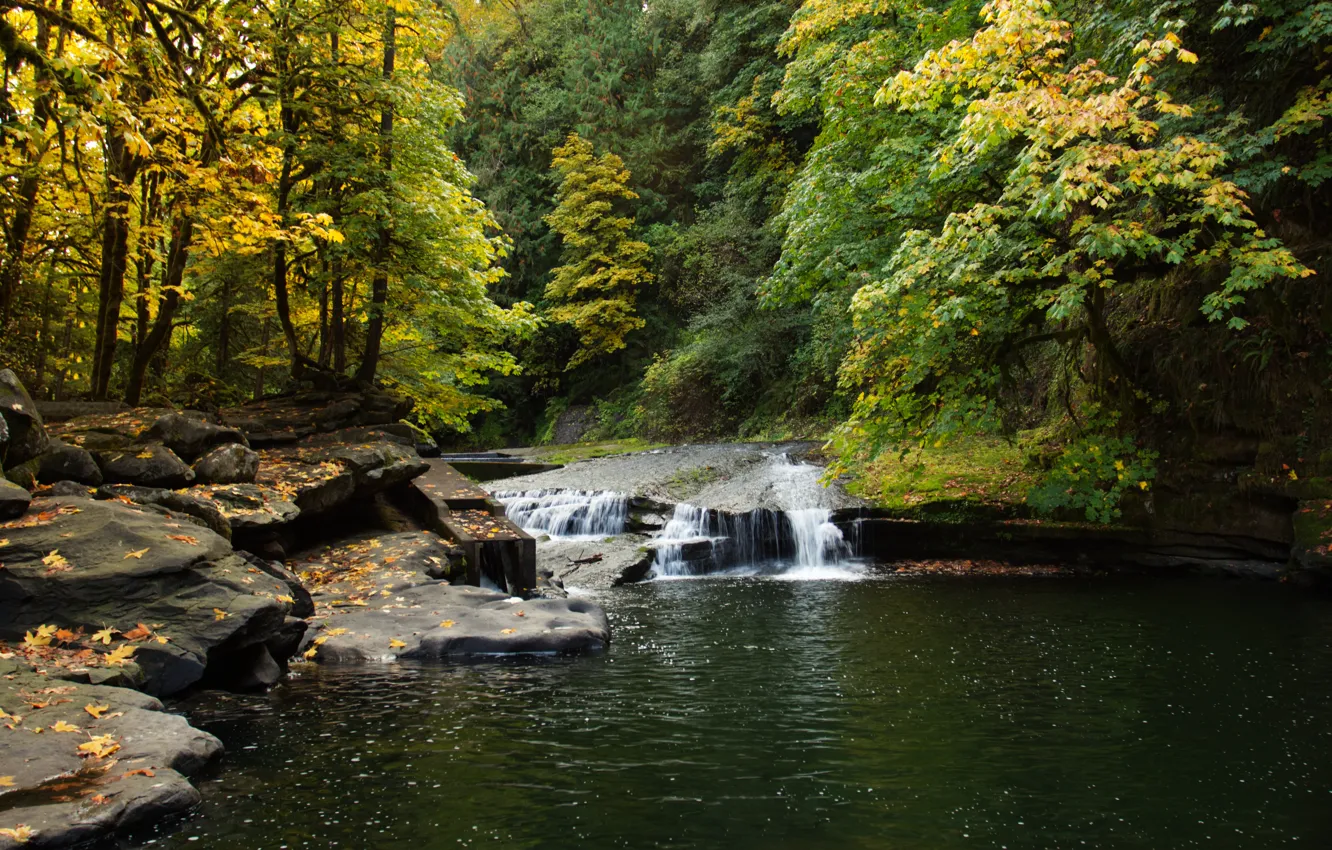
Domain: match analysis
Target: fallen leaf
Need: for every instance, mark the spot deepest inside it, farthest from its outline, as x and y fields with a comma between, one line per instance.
x=62, y=726
x=396, y=644
x=185, y=538
x=336, y=632
x=286, y=599
x=137, y=554
x=42, y=637
x=140, y=771
x=139, y=632
x=55, y=562
x=65, y=635
x=99, y=747
x=447, y=624
x=120, y=656
x=96, y=710
x=21, y=833
x=312, y=652
x=98, y=799
x=104, y=635
x=219, y=614
x=508, y=631
x=6, y=782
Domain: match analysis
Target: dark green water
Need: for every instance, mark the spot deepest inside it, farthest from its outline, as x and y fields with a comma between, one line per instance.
x=780, y=715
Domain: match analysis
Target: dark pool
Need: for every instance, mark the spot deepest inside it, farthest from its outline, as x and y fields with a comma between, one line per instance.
x=781, y=715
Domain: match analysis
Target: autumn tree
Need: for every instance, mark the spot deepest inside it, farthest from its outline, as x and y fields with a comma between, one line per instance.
x=603, y=267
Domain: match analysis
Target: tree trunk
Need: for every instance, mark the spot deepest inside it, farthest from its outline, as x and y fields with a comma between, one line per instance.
x=172, y=278
x=338, y=322
x=374, y=331
x=111, y=277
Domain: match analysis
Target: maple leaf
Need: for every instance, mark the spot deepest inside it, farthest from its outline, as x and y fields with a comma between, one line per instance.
x=286, y=599
x=6, y=782
x=99, y=747
x=185, y=538
x=62, y=726
x=55, y=562
x=138, y=771
x=120, y=656
x=21, y=833
x=219, y=614
x=140, y=632
x=4, y=541
x=336, y=632
x=98, y=799
x=96, y=710
x=507, y=631
x=396, y=644
x=105, y=635
x=65, y=635
x=311, y=652
x=138, y=554
x=447, y=624
x=41, y=638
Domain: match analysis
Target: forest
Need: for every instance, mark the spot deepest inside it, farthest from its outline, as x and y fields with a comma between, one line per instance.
x=1090, y=228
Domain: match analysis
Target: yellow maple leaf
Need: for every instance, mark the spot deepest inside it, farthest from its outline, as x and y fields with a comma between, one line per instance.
x=219, y=614
x=99, y=747
x=55, y=561
x=396, y=644
x=105, y=635
x=507, y=631
x=119, y=656
x=42, y=637
x=62, y=726
x=336, y=632
x=137, y=554
x=286, y=599
x=21, y=833
x=447, y=624
x=4, y=541
x=6, y=782
x=312, y=652
x=96, y=710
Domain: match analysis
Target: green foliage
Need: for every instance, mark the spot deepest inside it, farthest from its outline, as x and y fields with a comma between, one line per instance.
x=603, y=267
x=1092, y=473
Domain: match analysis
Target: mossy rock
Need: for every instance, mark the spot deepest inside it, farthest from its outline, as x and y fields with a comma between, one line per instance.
x=1312, y=549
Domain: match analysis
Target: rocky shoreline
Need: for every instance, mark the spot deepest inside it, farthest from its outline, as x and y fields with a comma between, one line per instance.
x=144, y=553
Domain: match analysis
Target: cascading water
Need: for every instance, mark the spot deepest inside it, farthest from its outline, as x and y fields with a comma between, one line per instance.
x=696, y=541
x=567, y=513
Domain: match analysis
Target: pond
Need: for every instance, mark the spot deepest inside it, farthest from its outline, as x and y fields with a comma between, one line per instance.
x=750, y=712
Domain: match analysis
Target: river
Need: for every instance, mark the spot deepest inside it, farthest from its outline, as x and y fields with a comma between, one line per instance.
x=756, y=713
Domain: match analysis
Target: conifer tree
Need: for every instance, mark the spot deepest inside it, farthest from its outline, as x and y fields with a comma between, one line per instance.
x=603, y=267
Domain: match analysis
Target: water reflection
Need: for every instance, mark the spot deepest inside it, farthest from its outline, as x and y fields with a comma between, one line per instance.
x=749, y=713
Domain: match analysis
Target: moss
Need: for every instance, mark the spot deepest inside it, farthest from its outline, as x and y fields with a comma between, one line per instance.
x=971, y=477
x=586, y=451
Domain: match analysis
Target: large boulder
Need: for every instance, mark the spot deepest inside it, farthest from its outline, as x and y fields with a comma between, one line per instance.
x=287, y=419
x=148, y=465
x=202, y=511
x=107, y=759
x=229, y=464
x=13, y=500
x=62, y=462
x=27, y=435
x=191, y=437
x=81, y=564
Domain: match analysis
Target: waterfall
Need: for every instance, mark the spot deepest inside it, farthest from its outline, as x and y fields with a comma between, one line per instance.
x=567, y=513
x=697, y=541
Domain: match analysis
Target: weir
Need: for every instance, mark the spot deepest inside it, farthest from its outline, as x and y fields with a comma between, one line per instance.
x=569, y=514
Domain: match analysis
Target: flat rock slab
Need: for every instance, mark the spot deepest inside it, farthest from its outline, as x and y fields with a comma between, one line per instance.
x=597, y=564
x=84, y=760
x=436, y=620
x=84, y=565
x=736, y=478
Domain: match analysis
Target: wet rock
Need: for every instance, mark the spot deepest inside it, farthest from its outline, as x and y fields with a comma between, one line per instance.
x=148, y=465
x=14, y=500
x=380, y=466
x=436, y=620
x=303, y=606
x=597, y=564
x=189, y=437
x=86, y=564
x=250, y=507
x=103, y=431
x=1311, y=554
x=229, y=464
x=71, y=488
x=62, y=462
x=27, y=435
x=134, y=775
x=184, y=502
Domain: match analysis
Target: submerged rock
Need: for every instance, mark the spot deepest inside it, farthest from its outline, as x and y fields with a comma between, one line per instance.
x=81, y=564
x=106, y=759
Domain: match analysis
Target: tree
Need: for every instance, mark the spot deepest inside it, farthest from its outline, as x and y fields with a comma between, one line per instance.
x=603, y=267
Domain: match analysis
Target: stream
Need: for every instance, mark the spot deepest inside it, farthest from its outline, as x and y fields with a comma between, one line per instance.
x=859, y=710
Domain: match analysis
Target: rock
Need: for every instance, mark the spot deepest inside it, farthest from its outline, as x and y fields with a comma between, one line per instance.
x=572, y=424
x=102, y=431
x=436, y=620
x=1311, y=554
x=27, y=435
x=184, y=502
x=151, y=465
x=63, y=411
x=303, y=606
x=70, y=488
x=139, y=781
x=61, y=462
x=190, y=437
x=250, y=507
x=380, y=466
x=229, y=464
x=86, y=564
x=284, y=420
x=623, y=559
x=24, y=475
x=252, y=669
x=14, y=500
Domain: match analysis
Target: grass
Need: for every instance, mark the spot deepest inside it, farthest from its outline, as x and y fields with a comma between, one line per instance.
x=968, y=475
